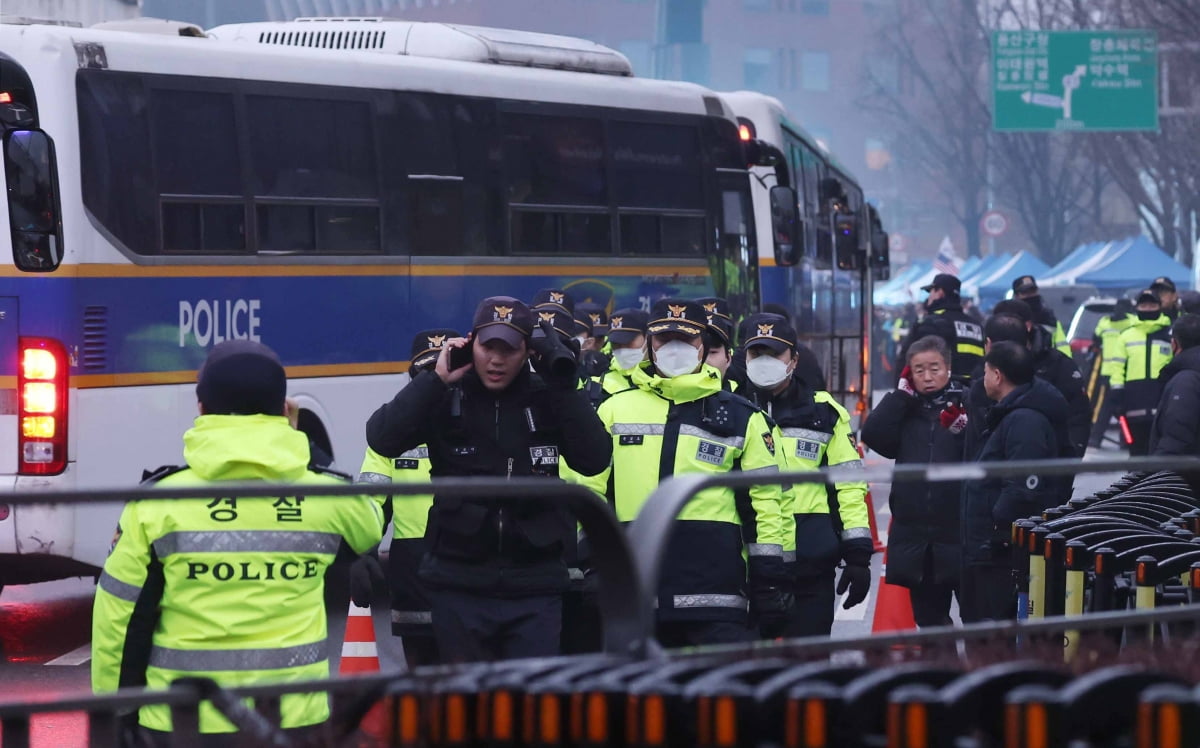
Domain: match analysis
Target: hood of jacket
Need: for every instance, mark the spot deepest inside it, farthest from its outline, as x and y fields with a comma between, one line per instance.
x=1189, y=359
x=1148, y=326
x=258, y=447
x=948, y=302
x=682, y=389
x=1038, y=395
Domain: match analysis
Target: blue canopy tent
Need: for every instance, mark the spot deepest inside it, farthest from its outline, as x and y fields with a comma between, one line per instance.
x=998, y=283
x=1083, y=259
x=986, y=265
x=1137, y=263
x=896, y=292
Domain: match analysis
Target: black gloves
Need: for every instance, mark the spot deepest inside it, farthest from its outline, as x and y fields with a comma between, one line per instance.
x=771, y=605
x=364, y=575
x=553, y=359
x=856, y=575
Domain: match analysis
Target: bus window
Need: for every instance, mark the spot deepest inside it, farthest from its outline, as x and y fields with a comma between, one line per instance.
x=656, y=165
x=738, y=257
x=554, y=160
x=32, y=200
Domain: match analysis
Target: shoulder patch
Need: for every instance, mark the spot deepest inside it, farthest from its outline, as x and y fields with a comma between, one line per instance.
x=769, y=441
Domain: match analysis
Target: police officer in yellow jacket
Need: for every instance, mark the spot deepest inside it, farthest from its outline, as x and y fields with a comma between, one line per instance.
x=627, y=336
x=411, y=616
x=1145, y=350
x=828, y=524
x=1107, y=352
x=678, y=420
x=231, y=588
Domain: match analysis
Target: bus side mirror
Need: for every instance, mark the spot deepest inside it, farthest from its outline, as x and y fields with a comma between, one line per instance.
x=881, y=256
x=845, y=240
x=33, y=203
x=786, y=226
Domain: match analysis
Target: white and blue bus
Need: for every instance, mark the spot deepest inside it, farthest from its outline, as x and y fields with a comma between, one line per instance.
x=328, y=187
x=828, y=249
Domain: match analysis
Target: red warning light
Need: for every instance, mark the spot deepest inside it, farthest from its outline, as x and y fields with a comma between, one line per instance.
x=5, y=97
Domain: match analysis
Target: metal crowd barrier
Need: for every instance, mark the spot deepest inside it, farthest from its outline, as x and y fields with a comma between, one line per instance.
x=993, y=684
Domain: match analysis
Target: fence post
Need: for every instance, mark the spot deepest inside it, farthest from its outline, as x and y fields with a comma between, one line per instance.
x=1037, y=571
x=1076, y=562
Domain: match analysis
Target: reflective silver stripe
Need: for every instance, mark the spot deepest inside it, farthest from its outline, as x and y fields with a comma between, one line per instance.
x=412, y=616
x=849, y=464
x=253, y=541
x=574, y=573
x=730, y=441
x=808, y=434
x=117, y=588
x=420, y=453
x=764, y=469
x=645, y=429
x=789, y=556
x=852, y=533
x=1135, y=344
x=1139, y=413
x=226, y=660
x=765, y=550
x=710, y=601
x=372, y=478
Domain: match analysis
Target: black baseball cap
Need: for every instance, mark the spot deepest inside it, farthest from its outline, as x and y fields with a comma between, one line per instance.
x=944, y=281
x=595, y=315
x=504, y=318
x=555, y=296
x=626, y=324
x=1024, y=283
x=1162, y=282
x=719, y=319
x=1147, y=297
x=560, y=320
x=770, y=330
x=677, y=315
x=242, y=377
x=427, y=345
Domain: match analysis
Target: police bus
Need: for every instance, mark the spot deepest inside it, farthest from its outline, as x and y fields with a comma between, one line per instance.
x=829, y=244
x=328, y=187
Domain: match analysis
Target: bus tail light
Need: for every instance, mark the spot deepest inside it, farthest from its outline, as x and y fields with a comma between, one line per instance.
x=42, y=407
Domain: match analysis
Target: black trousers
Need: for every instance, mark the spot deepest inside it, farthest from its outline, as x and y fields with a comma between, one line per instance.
x=930, y=599
x=471, y=627
x=675, y=634
x=987, y=593
x=420, y=648
x=1140, y=430
x=582, y=627
x=812, y=614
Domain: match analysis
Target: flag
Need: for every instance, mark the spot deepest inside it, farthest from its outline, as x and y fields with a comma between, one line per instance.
x=946, y=261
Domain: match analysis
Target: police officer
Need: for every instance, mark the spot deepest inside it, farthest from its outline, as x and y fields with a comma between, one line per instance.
x=808, y=367
x=945, y=318
x=627, y=338
x=718, y=339
x=677, y=421
x=1145, y=349
x=829, y=525
x=595, y=360
x=1025, y=288
x=412, y=619
x=1164, y=288
x=1107, y=348
x=229, y=588
x=495, y=569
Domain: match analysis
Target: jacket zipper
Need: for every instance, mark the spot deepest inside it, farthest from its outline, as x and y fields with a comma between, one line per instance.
x=500, y=513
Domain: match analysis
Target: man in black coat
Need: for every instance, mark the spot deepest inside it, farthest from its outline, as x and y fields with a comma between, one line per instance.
x=923, y=422
x=1027, y=423
x=945, y=318
x=495, y=569
x=1176, y=429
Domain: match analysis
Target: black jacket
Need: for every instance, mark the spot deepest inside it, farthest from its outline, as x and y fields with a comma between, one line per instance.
x=1176, y=429
x=1059, y=370
x=502, y=548
x=907, y=428
x=963, y=336
x=1029, y=424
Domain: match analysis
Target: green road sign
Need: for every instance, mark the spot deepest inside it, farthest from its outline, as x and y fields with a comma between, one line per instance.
x=1075, y=80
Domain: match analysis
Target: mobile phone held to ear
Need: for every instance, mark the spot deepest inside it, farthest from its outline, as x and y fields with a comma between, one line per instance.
x=460, y=357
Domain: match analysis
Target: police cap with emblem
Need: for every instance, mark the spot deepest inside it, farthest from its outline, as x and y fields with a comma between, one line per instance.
x=427, y=345
x=595, y=315
x=1147, y=297
x=1024, y=284
x=242, y=377
x=770, y=330
x=945, y=281
x=626, y=324
x=561, y=321
x=502, y=318
x=719, y=320
x=1162, y=283
x=677, y=315
x=556, y=297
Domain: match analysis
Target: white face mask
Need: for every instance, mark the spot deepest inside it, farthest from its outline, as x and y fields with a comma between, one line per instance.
x=581, y=340
x=677, y=358
x=627, y=358
x=766, y=371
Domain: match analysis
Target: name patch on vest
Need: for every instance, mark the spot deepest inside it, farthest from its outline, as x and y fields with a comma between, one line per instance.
x=713, y=454
x=543, y=456
x=464, y=451
x=630, y=440
x=968, y=330
x=404, y=464
x=807, y=450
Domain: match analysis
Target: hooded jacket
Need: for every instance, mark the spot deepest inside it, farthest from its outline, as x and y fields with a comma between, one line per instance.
x=1176, y=429
x=1028, y=424
x=1060, y=370
x=925, y=515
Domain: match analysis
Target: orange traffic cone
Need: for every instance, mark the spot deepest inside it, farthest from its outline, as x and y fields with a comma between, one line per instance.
x=893, y=604
x=360, y=655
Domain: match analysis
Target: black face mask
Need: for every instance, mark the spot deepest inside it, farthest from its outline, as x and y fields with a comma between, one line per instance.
x=1034, y=302
x=1148, y=316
